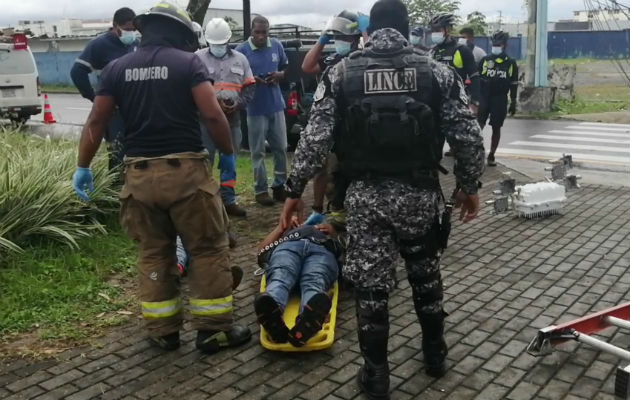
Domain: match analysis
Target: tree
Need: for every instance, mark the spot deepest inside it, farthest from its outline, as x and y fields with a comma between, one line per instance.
x=421, y=11
x=198, y=9
x=477, y=21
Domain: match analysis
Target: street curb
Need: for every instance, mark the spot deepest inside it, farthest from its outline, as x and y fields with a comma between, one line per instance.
x=55, y=131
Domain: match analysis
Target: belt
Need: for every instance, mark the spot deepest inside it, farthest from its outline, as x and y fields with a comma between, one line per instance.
x=144, y=164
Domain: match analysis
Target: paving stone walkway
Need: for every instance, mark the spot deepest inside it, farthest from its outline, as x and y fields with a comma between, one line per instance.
x=504, y=279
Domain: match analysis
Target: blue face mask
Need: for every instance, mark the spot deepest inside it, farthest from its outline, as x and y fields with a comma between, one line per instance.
x=342, y=48
x=437, y=37
x=128, y=37
x=218, y=50
x=414, y=40
x=496, y=50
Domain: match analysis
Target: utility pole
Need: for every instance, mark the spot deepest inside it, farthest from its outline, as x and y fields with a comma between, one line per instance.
x=247, y=19
x=536, y=96
x=541, y=44
x=500, y=18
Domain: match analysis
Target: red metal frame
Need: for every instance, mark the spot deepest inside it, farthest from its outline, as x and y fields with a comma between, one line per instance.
x=589, y=324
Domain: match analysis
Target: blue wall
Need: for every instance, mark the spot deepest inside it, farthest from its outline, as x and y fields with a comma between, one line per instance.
x=54, y=68
x=601, y=44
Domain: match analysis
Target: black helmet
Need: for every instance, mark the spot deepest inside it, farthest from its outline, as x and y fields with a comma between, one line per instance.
x=442, y=20
x=500, y=37
x=167, y=10
x=345, y=23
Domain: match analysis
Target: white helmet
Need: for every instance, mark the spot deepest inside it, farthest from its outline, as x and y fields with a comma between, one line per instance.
x=199, y=33
x=218, y=31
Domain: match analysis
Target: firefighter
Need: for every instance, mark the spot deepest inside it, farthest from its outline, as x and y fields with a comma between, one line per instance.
x=162, y=90
x=396, y=104
x=499, y=76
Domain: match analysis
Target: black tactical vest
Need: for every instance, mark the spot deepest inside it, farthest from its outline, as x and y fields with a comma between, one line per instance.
x=387, y=125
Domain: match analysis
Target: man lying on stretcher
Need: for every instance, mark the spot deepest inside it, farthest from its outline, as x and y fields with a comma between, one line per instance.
x=304, y=257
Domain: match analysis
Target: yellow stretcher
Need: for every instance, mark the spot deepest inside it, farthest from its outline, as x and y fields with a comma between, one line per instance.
x=322, y=340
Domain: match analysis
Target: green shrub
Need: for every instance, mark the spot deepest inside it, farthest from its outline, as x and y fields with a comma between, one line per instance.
x=37, y=201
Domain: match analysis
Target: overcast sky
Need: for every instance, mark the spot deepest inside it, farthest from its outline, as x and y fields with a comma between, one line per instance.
x=312, y=13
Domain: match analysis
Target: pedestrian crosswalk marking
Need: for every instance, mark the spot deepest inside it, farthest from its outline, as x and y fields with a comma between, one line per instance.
x=573, y=146
x=601, y=128
x=585, y=141
x=581, y=139
x=551, y=155
x=604, y=124
x=591, y=133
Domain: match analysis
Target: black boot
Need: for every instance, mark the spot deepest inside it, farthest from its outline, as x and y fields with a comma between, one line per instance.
x=373, y=332
x=427, y=297
x=433, y=343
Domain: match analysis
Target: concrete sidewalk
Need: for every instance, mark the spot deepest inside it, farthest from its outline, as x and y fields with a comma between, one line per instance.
x=504, y=279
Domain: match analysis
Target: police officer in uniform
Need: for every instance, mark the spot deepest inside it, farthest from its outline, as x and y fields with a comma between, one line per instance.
x=346, y=28
x=417, y=39
x=396, y=105
x=499, y=75
x=162, y=90
x=449, y=51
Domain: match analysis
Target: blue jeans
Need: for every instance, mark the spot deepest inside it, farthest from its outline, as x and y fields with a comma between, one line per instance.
x=228, y=176
x=273, y=128
x=301, y=263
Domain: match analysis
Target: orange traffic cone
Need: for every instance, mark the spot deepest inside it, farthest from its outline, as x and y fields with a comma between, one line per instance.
x=48, y=116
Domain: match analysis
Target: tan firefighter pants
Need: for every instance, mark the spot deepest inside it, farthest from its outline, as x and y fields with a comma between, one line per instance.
x=164, y=197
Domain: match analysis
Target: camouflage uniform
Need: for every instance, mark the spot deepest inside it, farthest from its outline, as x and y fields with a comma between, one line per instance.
x=386, y=217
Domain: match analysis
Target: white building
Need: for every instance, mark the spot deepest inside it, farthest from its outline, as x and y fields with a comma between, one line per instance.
x=600, y=15
x=67, y=27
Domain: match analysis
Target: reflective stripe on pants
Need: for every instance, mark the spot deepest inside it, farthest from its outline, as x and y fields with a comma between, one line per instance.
x=161, y=309
x=205, y=307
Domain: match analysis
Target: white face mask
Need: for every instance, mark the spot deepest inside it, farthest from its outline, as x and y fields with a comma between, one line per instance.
x=496, y=50
x=462, y=41
x=414, y=40
x=218, y=50
x=437, y=37
x=128, y=37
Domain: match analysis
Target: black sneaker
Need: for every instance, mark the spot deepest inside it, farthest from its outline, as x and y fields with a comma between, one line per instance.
x=491, y=162
x=269, y=315
x=279, y=194
x=167, y=342
x=311, y=320
x=210, y=342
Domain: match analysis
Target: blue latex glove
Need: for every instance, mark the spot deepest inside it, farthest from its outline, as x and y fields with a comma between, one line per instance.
x=314, y=219
x=324, y=39
x=83, y=182
x=364, y=22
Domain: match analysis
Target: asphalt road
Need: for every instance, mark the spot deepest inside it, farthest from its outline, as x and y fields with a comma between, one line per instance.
x=601, y=151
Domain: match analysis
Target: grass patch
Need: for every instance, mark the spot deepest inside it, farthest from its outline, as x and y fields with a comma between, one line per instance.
x=59, y=89
x=59, y=291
